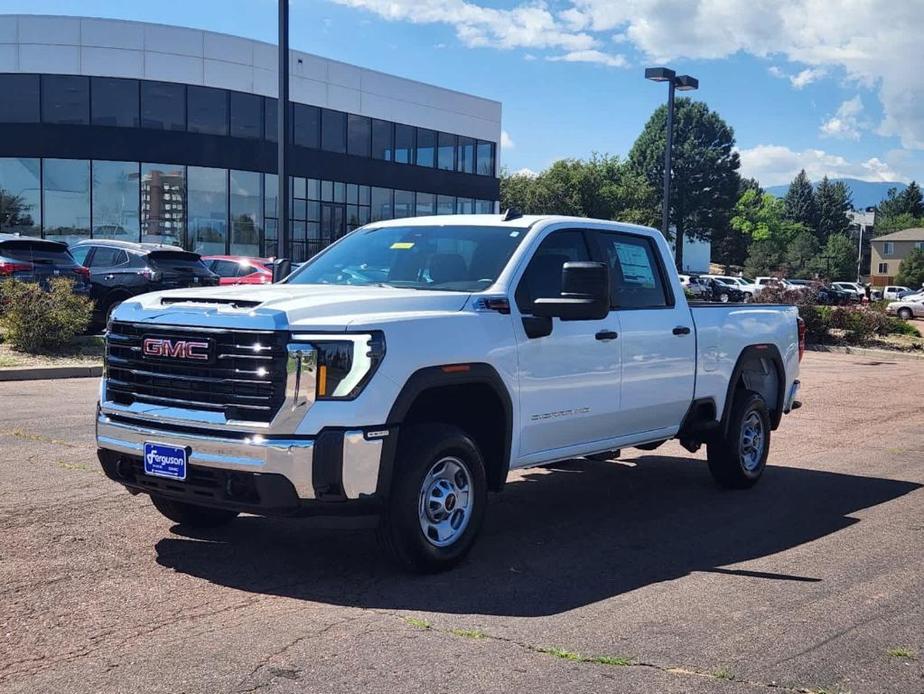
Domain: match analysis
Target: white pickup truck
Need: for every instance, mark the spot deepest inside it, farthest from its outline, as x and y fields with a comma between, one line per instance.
x=400, y=374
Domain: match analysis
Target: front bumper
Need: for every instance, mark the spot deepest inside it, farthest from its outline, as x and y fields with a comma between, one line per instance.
x=250, y=472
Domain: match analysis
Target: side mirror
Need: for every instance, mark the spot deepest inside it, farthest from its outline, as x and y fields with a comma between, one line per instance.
x=282, y=268
x=585, y=293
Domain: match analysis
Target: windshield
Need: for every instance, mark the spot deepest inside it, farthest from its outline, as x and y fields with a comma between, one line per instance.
x=451, y=258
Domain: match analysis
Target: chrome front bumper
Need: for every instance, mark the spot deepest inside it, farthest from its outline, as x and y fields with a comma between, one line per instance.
x=359, y=456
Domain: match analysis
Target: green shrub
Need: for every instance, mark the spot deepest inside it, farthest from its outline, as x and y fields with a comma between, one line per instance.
x=896, y=326
x=37, y=320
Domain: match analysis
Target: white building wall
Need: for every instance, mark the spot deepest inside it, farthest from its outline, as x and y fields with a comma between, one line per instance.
x=118, y=48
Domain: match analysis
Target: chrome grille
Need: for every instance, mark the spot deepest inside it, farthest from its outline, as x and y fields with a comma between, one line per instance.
x=244, y=378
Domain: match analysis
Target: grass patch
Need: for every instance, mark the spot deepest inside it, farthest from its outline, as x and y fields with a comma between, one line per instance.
x=723, y=673
x=417, y=623
x=468, y=633
x=902, y=653
x=615, y=660
x=73, y=466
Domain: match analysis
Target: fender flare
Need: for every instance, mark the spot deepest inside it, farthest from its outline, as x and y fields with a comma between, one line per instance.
x=432, y=377
x=758, y=351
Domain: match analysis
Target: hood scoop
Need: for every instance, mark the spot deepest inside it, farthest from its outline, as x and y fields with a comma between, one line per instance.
x=233, y=303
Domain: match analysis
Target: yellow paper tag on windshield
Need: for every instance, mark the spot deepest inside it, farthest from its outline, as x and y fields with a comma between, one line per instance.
x=402, y=245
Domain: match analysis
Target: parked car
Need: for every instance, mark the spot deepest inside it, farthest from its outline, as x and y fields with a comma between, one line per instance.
x=907, y=308
x=40, y=260
x=723, y=292
x=892, y=292
x=237, y=269
x=857, y=290
x=493, y=343
x=692, y=284
x=782, y=282
x=743, y=283
x=122, y=269
x=830, y=295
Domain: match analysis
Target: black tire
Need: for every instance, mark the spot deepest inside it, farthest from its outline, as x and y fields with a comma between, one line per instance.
x=421, y=449
x=723, y=297
x=112, y=303
x=733, y=463
x=905, y=313
x=192, y=516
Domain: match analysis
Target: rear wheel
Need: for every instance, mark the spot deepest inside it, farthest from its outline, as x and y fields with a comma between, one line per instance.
x=437, y=501
x=723, y=297
x=191, y=515
x=904, y=313
x=737, y=459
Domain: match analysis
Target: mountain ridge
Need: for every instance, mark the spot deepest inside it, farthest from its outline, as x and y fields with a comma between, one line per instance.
x=865, y=193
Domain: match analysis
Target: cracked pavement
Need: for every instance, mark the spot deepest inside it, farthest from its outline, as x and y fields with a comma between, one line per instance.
x=635, y=576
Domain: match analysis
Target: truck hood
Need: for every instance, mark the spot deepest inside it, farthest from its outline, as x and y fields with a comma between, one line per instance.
x=286, y=306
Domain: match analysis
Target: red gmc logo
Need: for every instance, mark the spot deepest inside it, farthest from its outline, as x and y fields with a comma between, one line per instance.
x=175, y=349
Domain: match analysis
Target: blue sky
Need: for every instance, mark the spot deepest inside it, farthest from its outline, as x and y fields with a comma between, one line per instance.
x=802, y=85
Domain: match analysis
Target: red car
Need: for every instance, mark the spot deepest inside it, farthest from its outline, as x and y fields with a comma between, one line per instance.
x=238, y=269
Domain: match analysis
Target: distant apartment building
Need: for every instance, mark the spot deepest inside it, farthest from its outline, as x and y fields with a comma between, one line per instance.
x=888, y=252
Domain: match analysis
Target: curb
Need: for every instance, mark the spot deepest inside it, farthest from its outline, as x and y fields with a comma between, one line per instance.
x=865, y=352
x=50, y=372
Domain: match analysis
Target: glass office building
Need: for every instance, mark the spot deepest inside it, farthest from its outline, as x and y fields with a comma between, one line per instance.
x=144, y=132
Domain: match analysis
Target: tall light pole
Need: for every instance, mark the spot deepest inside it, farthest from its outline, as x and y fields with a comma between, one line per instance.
x=282, y=134
x=683, y=83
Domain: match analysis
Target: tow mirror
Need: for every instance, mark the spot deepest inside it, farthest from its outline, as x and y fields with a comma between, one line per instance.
x=282, y=268
x=585, y=293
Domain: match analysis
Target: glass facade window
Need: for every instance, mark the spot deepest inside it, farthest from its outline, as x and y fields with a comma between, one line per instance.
x=426, y=204
x=446, y=154
x=270, y=196
x=207, y=195
x=426, y=147
x=270, y=119
x=465, y=206
x=114, y=102
x=339, y=191
x=485, y=156
x=246, y=212
x=163, y=204
x=484, y=207
x=405, y=143
x=20, y=102
x=383, y=139
x=207, y=110
x=404, y=203
x=333, y=131
x=381, y=204
x=65, y=99
x=445, y=204
x=307, y=126
x=465, y=155
x=163, y=106
x=20, y=196
x=359, y=136
x=66, y=199
x=116, y=198
x=246, y=115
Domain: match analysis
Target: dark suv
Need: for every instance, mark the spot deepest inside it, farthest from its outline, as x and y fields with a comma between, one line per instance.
x=39, y=260
x=119, y=270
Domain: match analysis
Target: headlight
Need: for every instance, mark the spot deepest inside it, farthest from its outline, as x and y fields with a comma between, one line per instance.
x=345, y=364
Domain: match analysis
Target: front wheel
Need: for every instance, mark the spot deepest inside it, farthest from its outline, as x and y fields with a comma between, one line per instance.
x=904, y=313
x=191, y=515
x=737, y=459
x=437, y=501
x=723, y=297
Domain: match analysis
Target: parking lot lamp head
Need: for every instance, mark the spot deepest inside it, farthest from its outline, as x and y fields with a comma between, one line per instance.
x=685, y=83
x=659, y=74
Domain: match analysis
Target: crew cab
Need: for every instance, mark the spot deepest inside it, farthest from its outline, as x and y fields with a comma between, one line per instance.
x=399, y=375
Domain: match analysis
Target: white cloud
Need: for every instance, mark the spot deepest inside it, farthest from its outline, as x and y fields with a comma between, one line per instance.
x=776, y=71
x=806, y=77
x=775, y=164
x=525, y=171
x=591, y=56
x=845, y=124
x=506, y=141
x=876, y=43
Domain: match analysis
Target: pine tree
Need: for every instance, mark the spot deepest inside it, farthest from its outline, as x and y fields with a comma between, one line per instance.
x=832, y=201
x=912, y=201
x=800, y=203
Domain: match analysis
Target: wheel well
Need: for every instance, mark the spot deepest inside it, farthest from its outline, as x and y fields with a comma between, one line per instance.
x=476, y=409
x=760, y=372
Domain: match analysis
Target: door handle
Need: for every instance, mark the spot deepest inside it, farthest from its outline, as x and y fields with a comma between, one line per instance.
x=606, y=335
x=681, y=330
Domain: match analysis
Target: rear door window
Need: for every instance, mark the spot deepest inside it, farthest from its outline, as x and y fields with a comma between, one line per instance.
x=106, y=257
x=636, y=276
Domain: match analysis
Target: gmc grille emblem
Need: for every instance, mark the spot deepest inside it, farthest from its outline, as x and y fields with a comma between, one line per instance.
x=175, y=349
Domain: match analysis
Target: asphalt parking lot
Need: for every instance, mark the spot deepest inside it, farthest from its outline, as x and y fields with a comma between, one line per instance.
x=636, y=576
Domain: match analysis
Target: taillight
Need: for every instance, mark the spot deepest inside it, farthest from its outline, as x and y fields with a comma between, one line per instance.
x=8, y=267
x=150, y=275
x=801, y=324
x=82, y=271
